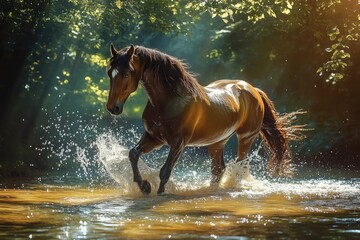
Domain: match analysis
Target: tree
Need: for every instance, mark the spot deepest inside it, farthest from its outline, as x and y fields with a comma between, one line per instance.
x=55, y=52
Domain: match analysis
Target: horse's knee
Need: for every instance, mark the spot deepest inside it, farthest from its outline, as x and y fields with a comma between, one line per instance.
x=134, y=154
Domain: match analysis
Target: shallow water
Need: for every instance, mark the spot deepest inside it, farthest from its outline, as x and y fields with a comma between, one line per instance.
x=242, y=206
x=95, y=198
x=261, y=209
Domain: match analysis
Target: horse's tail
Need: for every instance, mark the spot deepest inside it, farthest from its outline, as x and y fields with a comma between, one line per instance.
x=277, y=131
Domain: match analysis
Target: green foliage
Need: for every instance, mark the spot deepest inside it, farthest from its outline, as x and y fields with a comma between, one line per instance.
x=83, y=30
x=253, y=11
x=333, y=21
x=342, y=34
x=56, y=52
x=76, y=34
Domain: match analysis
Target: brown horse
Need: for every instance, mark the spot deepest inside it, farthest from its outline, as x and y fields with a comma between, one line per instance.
x=180, y=112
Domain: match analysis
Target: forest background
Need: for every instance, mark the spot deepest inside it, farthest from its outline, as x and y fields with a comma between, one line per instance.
x=305, y=54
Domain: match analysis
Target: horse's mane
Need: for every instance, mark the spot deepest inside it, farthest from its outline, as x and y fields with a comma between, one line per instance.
x=170, y=72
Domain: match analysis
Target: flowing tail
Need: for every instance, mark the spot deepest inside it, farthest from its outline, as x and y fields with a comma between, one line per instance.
x=278, y=131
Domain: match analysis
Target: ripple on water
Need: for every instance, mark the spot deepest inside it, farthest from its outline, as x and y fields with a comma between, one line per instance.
x=242, y=206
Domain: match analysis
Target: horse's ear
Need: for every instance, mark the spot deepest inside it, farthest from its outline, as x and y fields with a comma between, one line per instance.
x=130, y=52
x=113, y=51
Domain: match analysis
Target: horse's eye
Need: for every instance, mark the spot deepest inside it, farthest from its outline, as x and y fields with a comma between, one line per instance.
x=126, y=74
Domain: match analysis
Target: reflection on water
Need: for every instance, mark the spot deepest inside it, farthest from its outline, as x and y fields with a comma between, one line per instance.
x=261, y=209
x=102, y=202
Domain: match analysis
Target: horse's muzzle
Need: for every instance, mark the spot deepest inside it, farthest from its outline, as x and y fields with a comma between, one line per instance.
x=117, y=108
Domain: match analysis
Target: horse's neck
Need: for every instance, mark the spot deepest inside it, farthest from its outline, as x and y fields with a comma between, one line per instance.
x=163, y=100
x=158, y=97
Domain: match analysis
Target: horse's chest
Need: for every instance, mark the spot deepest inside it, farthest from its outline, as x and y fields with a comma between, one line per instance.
x=161, y=130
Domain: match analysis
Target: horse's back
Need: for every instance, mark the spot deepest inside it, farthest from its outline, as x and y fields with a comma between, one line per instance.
x=242, y=92
x=234, y=105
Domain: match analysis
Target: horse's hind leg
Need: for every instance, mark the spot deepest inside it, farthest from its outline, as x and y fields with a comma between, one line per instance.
x=216, y=153
x=244, y=144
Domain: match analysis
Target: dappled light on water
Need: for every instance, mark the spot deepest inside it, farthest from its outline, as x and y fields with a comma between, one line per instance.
x=91, y=195
x=262, y=209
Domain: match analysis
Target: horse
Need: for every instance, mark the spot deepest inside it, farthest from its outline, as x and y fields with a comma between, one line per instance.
x=180, y=112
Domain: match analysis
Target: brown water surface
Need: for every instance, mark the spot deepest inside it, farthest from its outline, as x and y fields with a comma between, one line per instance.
x=263, y=209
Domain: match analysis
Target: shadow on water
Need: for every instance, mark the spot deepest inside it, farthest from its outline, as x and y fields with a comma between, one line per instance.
x=90, y=195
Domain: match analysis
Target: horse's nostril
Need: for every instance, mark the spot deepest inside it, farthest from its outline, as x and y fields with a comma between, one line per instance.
x=117, y=109
x=110, y=110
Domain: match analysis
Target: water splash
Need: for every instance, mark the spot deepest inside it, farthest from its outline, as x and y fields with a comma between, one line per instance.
x=69, y=143
x=114, y=157
x=237, y=174
x=89, y=146
x=95, y=149
x=238, y=179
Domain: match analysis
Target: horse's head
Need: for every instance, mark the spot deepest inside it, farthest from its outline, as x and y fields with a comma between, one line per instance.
x=124, y=77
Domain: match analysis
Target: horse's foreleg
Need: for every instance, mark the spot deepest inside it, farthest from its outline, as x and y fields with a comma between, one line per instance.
x=165, y=172
x=146, y=144
x=144, y=185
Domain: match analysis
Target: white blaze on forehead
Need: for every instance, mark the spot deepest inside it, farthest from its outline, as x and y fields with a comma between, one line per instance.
x=114, y=73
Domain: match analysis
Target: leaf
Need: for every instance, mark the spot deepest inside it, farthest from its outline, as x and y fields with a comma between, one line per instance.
x=342, y=65
x=335, y=45
x=336, y=31
x=346, y=55
x=285, y=11
x=350, y=37
x=118, y=4
x=289, y=4
x=224, y=15
x=338, y=76
x=271, y=13
x=237, y=6
x=152, y=19
x=335, y=54
x=332, y=37
x=225, y=20
x=189, y=5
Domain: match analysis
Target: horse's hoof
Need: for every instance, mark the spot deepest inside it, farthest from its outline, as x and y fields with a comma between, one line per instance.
x=145, y=187
x=161, y=190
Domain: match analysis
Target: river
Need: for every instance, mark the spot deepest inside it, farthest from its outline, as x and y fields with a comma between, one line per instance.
x=302, y=209
x=242, y=207
x=98, y=200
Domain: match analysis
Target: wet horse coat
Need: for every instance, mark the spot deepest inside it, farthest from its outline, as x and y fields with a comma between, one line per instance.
x=180, y=112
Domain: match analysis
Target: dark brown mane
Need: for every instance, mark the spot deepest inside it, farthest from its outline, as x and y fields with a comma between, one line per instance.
x=170, y=72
